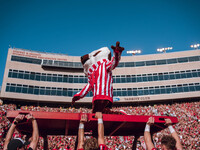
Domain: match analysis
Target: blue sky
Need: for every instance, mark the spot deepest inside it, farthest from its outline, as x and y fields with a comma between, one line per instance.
x=76, y=27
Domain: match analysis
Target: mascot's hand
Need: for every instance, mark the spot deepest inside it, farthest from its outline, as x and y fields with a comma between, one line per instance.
x=117, y=48
x=75, y=98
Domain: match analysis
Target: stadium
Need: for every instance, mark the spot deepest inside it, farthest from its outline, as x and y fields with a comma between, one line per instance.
x=155, y=84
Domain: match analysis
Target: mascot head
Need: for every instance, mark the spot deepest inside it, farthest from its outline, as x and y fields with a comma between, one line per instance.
x=89, y=59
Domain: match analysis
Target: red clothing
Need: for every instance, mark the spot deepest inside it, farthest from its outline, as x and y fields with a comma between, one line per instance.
x=100, y=79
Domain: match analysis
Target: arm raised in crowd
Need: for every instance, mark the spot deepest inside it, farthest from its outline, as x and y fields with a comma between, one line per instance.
x=35, y=133
x=81, y=131
x=12, y=129
x=147, y=135
x=99, y=116
x=168, y=122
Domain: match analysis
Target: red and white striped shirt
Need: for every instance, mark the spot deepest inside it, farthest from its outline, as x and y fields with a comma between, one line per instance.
x=100, y=79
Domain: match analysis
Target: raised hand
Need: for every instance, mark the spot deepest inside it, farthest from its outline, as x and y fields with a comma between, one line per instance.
x=19, y=118
x=150, y=121
x=117, y=48
x=29, y=117
x=83, y=118
x=168, y=122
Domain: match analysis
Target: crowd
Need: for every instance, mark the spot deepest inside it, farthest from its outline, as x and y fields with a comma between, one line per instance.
x=188, y=127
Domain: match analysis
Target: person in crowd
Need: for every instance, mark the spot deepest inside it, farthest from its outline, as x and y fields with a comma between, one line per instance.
x=18, y=143
x=92, y=143
x=167, y=142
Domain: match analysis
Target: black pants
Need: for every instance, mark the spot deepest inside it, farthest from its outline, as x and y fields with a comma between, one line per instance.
x=103, y=106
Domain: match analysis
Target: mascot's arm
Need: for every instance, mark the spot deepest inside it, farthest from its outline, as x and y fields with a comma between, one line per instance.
x=116, y=58
x=82, y=93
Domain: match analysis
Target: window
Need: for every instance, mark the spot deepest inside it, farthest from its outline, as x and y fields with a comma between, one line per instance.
x=8, y=87
x=133, y=79
x=150, y=63
x=140, y=92
x=42, y=90
x=140, y=63
x=59, y=92
x=150, y=78
x=64, y=92
x=37, y=76
x=60, y=78
x=25, y=89
x=43, y=77
x=144, y=79
x=123, y=79
x=155, y=78
x=119, y=92
x=129, y=92
x=30, y=90
x=124, y=93
x=19, y=88
x=54, y=78
x=146, y=92
x=36, y=90
x=32, y=76
x=75, y=79
x=49, y=77
x=192, y=88
x=182, y=60
x=14, y=74
x=139, y=79
x=194, y=58
x=12, y=88
x=70, y=79
x=185, y=89
x=47, y=91
x=118, y=79
x=171, y=61
x=161, y=62
x=21, y=75
x=27, y=75
x=129, y=64
x=53, y=91
x=65, y=78
x=26, y=60
x=121, y=64
x=128, y=78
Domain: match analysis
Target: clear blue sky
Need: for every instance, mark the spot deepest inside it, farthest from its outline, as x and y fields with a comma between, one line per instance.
x=76, y=27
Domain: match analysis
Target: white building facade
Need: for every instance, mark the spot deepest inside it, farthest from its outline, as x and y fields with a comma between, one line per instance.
x=46, y=77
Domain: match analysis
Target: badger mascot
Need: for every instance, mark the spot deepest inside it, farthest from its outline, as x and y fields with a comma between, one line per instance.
x=98, y=66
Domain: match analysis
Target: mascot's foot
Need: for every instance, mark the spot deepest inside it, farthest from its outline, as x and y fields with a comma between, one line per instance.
x=108, y=111
x=123, y=112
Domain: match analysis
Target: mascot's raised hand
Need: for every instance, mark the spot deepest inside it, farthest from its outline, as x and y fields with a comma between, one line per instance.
x=117, y=48
x=98, y=66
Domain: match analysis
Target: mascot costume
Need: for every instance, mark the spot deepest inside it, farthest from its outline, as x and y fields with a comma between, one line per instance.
x=98, y=66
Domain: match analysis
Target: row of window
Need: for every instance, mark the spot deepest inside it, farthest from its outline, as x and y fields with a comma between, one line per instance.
x=116, y=79
x=54, y=91
x=121, y=64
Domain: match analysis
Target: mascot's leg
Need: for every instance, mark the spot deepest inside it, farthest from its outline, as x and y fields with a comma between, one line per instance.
x=102, y=106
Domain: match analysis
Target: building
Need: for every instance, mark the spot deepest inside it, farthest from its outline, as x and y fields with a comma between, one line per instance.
x=46, y=77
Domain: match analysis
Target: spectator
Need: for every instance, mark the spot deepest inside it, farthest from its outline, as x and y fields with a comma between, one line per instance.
x=92, y=143
x=167, y=142
x=18, y=143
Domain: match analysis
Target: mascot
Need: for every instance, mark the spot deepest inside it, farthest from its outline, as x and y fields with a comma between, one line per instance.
x=98, y=66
